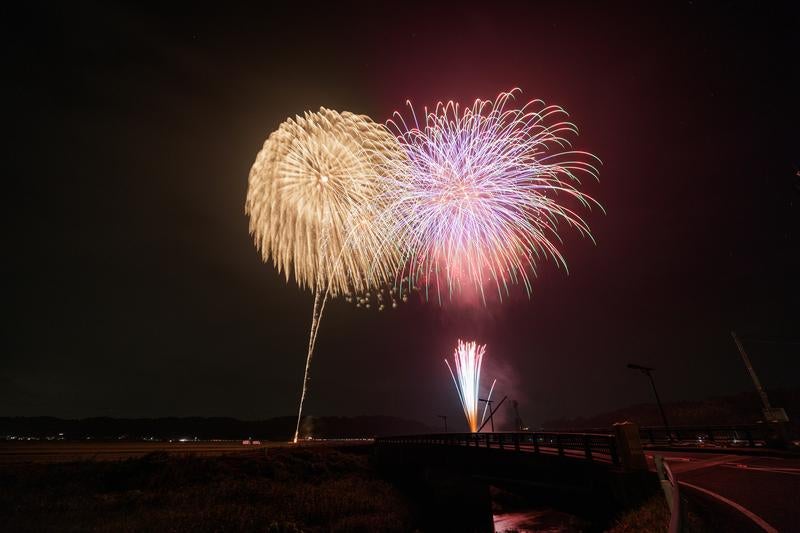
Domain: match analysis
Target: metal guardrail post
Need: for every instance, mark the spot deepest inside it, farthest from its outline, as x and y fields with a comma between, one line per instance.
x=671, y=494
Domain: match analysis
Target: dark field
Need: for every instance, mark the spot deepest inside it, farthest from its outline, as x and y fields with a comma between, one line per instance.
x=282, y=489
x=66, y=451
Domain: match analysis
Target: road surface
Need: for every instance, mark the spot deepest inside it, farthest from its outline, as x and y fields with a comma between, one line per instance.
x=763, y=493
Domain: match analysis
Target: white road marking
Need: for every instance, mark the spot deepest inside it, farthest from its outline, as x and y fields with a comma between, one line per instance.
x=760, y=522
x=776, y=470
x=669, y=458
x=697, y=465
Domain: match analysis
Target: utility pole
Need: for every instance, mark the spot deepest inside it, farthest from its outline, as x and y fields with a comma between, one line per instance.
x=444, y=417
x=649, y=373
x=492, y=413
x=770, y=414
x=489, y=403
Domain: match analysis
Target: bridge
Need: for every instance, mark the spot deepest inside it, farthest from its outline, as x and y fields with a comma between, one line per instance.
x=730, y=476
x=593, y=474
x=600, y=447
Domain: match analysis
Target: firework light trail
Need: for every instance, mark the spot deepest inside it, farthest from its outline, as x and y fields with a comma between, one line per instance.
x=467, y=358
x=315, y=209
x=480, y=196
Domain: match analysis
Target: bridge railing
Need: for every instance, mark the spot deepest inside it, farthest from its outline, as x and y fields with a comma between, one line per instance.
x=733, y=435
x=588, y=446
x=745, y=435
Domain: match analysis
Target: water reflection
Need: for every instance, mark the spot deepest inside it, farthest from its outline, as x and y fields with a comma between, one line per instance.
x=538, y=521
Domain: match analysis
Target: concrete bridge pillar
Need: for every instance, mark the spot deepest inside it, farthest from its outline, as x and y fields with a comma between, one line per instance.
x=629, y=447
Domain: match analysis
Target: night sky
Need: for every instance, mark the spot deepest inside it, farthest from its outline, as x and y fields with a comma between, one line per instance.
x=134, y=289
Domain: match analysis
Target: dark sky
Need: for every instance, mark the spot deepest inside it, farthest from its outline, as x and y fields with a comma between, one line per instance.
x=133, y=287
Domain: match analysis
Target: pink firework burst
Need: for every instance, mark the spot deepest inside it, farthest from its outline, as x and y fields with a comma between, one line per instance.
x=483, y=192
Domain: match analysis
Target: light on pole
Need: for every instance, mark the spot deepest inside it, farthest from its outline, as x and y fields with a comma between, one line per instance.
x=649, y=373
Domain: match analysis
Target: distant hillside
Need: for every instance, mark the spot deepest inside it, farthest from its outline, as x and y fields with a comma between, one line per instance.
x=280, y=428
x=743, y=408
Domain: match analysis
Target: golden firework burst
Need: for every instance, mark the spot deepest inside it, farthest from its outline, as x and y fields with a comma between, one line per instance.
x=314, y=201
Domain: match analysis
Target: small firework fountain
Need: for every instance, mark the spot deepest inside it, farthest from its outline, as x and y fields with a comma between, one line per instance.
x=468, y=357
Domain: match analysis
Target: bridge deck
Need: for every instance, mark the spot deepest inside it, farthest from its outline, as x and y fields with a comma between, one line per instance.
x=599, y=447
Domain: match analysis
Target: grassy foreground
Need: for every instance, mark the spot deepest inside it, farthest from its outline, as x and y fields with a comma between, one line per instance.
x=288, y=490
x=651, y=516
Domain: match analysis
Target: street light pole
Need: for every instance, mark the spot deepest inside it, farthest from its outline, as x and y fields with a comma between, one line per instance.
x=771, y=414
x=649, y=373
x=749, y=366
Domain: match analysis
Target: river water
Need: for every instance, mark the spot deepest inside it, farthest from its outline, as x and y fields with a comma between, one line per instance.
x=539, y=521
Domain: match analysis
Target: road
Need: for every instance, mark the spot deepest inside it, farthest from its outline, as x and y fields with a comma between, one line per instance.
x=762, y=492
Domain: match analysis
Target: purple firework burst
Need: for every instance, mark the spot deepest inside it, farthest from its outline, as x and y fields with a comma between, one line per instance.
x=479, y=198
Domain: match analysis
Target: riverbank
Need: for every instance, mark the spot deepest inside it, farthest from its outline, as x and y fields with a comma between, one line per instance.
x=285, y=490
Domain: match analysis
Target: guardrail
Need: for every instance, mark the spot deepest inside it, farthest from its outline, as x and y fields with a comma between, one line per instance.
x=588, y=446
x=671, y=493
x=739, y=435
x=745, y=435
